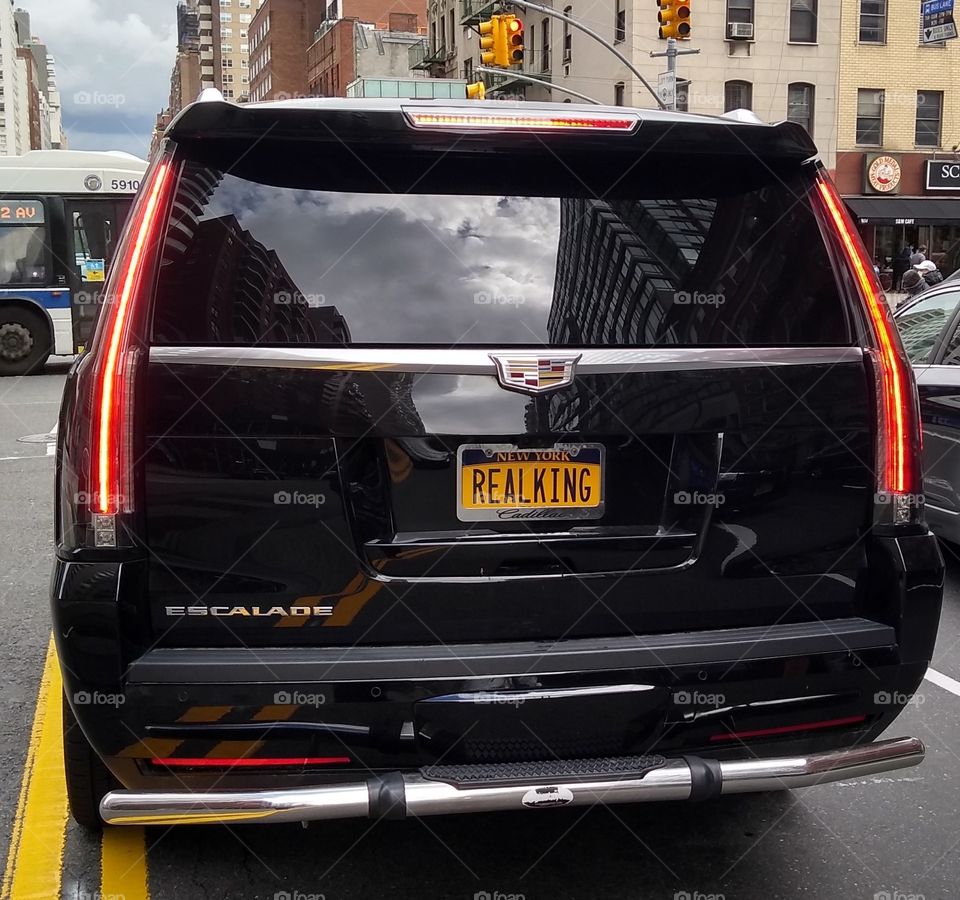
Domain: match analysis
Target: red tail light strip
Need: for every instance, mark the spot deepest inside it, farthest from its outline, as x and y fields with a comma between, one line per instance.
x=456, y=118
x=251, y=762
x=897, y=469
x=107, y=489
x=787, y=729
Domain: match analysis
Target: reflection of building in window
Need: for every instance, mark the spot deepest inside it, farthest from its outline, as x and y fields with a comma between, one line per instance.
x=919, y=332
x=250, y=297
x=618, y=265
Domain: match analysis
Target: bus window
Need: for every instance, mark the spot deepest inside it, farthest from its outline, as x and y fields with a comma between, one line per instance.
x=23, y=235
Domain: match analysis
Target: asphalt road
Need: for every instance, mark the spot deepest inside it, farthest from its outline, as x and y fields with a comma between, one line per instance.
x=888, y=837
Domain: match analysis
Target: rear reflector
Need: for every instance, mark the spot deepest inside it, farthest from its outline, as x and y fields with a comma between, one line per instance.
x=112, y=398
x=787, y=729
x=250, y=762
x=459, y=119
x=898, y=462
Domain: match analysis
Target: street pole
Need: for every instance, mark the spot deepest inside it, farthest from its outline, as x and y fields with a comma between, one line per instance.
x=671, y=53
x=540, y=81
x=547, y=11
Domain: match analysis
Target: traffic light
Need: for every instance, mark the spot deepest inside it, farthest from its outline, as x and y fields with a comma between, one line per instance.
x=489, y=31
x=513, y=28
x=476, y=91
x=501, y=41
x=674, y=18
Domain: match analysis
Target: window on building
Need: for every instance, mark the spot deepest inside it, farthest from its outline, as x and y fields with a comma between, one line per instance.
x=228, y=77
x=227, y=94
x=618, y=91
x=803, y=21
x=929, y=117
x=873, y=21
x=226, y=33
x=545, y=45
x=453, y=32
x=870, y=117
x=226, y=48
x=737, y=95
x=245, y=18
x=619, y=21
x=739, y=10
x=567, y=38
x=800, y=105
x=226, y=62
x=226, y=17
x=468, y=70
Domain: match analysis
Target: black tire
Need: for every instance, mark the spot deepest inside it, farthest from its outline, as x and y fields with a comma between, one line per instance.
x=25, y=341
x=88, y=779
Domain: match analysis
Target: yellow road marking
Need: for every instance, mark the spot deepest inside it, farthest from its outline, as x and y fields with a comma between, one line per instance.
x=124, y=867
x=35, y=857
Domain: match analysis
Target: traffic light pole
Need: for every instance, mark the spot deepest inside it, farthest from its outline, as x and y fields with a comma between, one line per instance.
x=540, y=81
x=671, y=53
x=547, y=11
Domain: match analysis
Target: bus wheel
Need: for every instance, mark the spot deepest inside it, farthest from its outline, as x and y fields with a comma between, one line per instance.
x=24, y=341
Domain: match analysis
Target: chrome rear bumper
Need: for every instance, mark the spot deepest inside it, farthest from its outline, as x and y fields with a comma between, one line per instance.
x=398, y=795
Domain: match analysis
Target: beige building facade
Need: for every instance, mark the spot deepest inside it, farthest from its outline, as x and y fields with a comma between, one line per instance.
x=899, y=132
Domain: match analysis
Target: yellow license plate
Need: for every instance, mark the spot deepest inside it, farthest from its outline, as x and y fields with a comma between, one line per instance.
x=502, y=481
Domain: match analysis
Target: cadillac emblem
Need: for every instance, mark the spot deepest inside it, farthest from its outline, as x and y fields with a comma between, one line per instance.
x=535, y=374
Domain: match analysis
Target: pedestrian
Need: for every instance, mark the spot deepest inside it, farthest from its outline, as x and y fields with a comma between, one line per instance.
x=912, y=284
x=901, y=262
x=929, y=272
x=918, y=256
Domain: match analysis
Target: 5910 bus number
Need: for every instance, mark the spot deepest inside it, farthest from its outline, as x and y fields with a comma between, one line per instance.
x=125, y=184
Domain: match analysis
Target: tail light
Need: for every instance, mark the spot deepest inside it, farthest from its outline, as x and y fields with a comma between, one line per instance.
x=898, y=474
x=102, y=459
x=458, y=119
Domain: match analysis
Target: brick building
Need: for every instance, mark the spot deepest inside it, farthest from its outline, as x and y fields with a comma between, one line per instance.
x=352, y=47
x=898, y=132
x=280, y=33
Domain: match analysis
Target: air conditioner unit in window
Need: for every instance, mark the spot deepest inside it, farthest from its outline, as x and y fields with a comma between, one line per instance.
x=740, y=31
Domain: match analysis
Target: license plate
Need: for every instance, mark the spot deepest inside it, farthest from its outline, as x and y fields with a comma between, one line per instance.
x=503, y=481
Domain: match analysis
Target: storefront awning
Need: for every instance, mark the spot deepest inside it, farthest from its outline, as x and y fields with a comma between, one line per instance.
x=905, y=210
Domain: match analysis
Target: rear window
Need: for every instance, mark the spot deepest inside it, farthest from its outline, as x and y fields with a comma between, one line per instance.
x=250, y=262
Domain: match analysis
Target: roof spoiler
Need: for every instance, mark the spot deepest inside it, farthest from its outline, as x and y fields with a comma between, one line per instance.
x=349, y=120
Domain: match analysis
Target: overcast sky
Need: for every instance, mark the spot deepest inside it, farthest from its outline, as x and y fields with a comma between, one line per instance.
x=113, y=61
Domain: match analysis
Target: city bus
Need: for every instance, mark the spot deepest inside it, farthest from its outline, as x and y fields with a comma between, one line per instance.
x=61, y=214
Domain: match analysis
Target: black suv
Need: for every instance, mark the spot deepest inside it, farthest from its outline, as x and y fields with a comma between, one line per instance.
x=439, y=457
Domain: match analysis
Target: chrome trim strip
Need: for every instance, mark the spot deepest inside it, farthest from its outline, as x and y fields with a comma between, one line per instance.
x=420, y=796
x=594, y=361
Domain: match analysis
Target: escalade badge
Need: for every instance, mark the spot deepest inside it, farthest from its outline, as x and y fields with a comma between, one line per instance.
x=535, y=374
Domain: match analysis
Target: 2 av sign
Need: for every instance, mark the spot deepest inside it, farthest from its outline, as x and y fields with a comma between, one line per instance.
x=938, y=23
x=943, y=175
